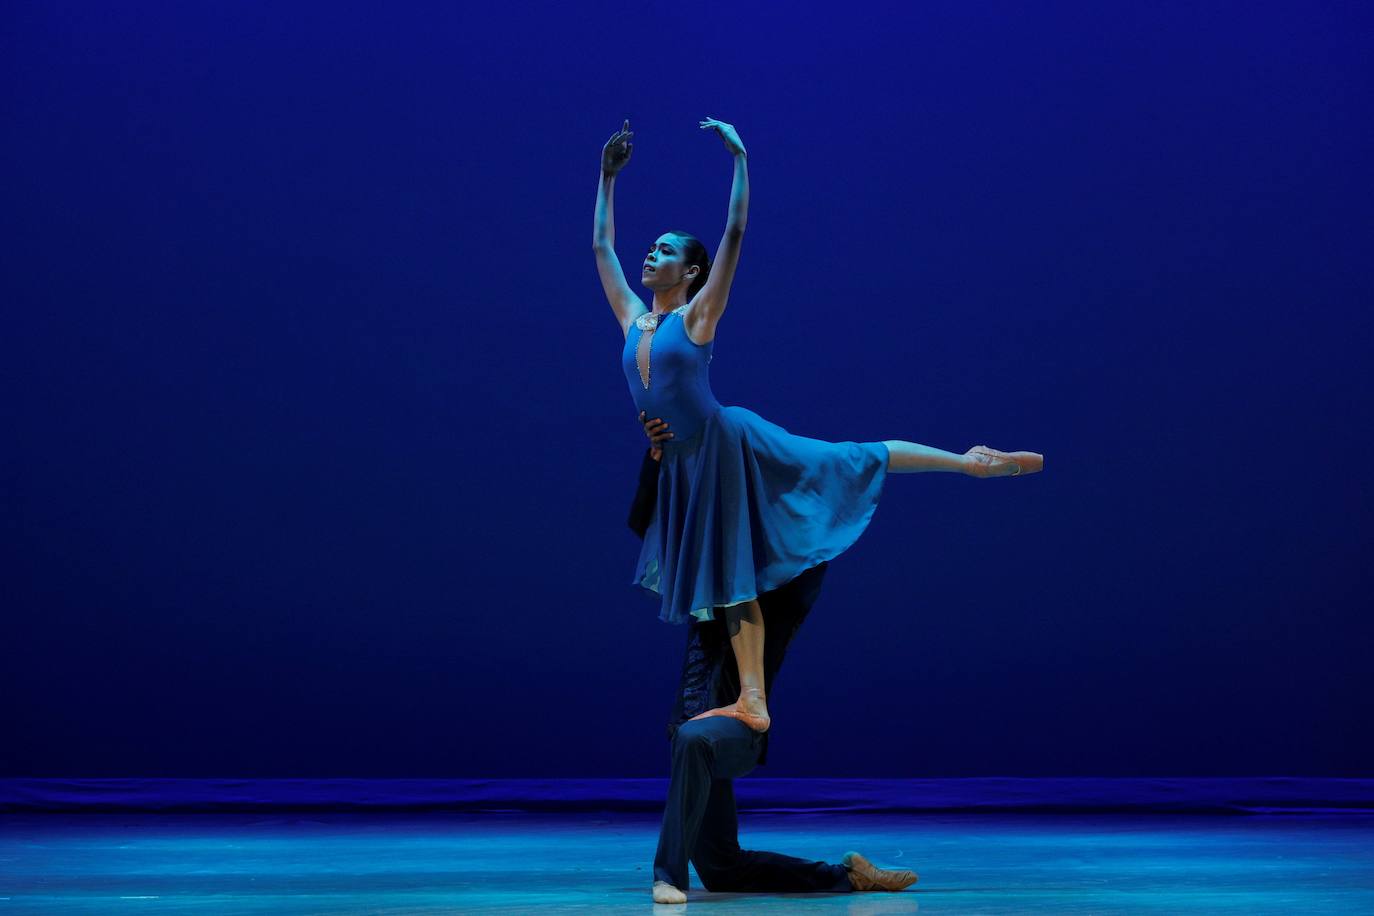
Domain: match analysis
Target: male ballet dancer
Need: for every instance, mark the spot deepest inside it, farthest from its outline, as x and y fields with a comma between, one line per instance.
x=699, y=819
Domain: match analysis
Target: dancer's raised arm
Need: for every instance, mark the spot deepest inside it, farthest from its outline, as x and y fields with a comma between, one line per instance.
x=626, y=305
x=709, y=302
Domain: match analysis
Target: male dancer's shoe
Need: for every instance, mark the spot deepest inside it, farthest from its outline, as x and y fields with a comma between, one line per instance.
x=865, y=876
x=666, y=893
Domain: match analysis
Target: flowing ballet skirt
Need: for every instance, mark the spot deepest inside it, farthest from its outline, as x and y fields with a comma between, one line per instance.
x=743, y=505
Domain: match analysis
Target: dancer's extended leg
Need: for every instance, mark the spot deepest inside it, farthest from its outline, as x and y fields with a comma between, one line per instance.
x=980, y=461
x=745, y=623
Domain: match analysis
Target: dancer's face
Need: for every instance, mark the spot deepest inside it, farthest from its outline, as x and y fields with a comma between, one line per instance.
x=664, y=266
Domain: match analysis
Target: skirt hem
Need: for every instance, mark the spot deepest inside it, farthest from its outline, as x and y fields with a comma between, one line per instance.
x=667, y=617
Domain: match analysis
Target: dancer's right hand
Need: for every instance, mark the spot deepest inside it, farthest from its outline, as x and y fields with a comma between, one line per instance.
x=658, y=433
x=616, y=153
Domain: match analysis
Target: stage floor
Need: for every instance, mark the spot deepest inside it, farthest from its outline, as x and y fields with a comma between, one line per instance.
x=524, y=863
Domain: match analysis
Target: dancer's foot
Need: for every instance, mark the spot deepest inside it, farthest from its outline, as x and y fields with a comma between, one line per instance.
x=989, y=462
x=751, y=708
x=865, y=876
x=666, y=893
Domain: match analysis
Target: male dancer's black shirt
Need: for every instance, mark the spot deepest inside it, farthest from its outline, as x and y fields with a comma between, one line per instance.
x=710, y=677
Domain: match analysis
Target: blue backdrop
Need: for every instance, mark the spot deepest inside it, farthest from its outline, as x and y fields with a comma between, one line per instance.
x=319, y=450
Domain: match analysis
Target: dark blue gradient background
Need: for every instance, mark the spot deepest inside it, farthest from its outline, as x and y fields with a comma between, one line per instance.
x=319, y=452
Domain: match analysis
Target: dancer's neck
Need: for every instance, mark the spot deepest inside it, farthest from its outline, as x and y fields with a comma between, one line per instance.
x=662, y=306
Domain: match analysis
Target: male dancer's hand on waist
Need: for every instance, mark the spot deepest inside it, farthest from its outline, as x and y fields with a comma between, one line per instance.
x=658, y=433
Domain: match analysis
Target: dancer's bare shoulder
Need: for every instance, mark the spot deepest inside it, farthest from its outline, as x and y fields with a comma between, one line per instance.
x=701, y=327
x=632, y=310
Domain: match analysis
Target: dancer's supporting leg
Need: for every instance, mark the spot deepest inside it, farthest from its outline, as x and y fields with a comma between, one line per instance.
x=980, y=461
x=745, y=623
x=746, y=620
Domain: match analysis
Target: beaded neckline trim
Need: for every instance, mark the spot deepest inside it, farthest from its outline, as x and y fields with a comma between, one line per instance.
x=650, y=322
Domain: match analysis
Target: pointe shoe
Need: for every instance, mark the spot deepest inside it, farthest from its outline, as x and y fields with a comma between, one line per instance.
x=1025, y=462
x=865, y=876
x=666, y=893
x=756, y=722
x=759, y=722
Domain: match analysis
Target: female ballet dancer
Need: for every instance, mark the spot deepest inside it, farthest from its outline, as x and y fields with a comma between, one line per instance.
x=743, y=505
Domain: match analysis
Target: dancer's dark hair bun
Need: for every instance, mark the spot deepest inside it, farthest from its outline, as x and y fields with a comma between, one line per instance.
x=693, y=252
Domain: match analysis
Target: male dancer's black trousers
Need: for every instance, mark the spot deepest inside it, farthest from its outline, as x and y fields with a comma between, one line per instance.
x=699, y=819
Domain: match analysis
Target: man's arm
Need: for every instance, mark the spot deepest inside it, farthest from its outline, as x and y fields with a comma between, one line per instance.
x=646, y=497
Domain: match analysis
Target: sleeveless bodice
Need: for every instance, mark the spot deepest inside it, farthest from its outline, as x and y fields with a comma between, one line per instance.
x=679, y=388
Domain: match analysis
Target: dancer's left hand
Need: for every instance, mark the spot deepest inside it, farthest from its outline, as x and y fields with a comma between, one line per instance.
x=727, y=133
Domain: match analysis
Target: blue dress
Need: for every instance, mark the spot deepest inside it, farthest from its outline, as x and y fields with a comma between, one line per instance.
x=743, y=505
